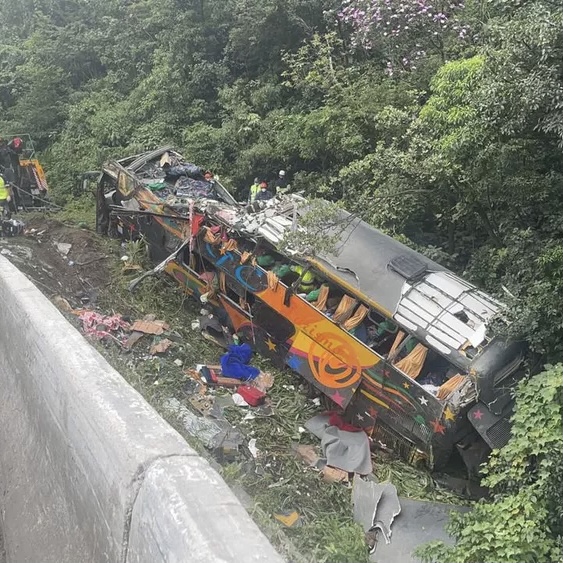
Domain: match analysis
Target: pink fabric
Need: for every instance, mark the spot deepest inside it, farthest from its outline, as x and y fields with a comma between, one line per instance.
x=91, y=320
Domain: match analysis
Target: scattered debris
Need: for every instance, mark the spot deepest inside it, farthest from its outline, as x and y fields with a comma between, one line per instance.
x=334, y=475
x=239, y=401
x=251, y=395
x=216, y=435
x=100, y=326
x=130, y=267
x=236, y=363
x=289, y=518
x=160, y=347
x=213, y=375
x=252, y=448
x=11, y=227
x=264, y=381
x=63, y=248
x=202, y=403
x=133, y=338
x=219, y=405
x=150, y=327
x=178, y=362
x=6, y=252
x=62, y=304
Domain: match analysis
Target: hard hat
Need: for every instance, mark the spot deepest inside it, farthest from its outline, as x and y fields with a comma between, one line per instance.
x=282, y=172
x=256, y=181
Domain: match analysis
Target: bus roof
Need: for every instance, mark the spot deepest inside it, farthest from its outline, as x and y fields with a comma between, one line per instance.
x=437, y=306
x=364, y=259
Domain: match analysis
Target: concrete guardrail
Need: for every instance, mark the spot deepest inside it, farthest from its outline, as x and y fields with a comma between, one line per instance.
x=89, y=471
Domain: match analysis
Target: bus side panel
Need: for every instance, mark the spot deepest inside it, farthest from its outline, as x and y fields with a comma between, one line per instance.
x=322, y=352
x=188, y=281
x=389, y=398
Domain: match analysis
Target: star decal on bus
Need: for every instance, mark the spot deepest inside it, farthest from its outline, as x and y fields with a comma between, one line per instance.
x=438, y=427
x=338, y=398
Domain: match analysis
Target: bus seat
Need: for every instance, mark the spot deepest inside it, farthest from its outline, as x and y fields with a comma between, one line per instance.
x=344, y=309
x=356, y=318
x=413, y=363
x=320, y=303
x=447, y=388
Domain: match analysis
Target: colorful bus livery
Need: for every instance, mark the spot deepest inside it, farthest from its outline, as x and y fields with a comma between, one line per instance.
x=396, y=340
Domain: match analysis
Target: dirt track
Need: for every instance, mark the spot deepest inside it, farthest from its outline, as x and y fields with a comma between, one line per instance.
x=77, y=276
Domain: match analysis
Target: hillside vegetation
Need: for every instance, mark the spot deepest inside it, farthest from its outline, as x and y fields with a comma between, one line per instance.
x=438, y=121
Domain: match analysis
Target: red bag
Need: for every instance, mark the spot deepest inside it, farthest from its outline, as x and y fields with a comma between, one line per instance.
x=251, y=395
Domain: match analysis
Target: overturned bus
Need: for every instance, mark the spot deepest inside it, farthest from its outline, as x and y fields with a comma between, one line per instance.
x=397, y=341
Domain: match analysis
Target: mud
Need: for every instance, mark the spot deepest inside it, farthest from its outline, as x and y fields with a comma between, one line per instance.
x=78, y=276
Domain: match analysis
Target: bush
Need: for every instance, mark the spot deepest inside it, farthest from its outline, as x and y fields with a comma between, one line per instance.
x=523, y=523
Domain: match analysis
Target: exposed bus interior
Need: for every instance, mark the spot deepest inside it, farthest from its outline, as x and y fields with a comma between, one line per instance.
x=428, y=326
x=429, y=369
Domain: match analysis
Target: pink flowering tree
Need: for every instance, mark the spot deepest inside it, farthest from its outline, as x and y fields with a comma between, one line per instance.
x=405, y=31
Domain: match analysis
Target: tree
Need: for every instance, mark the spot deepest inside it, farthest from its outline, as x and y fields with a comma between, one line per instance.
x=404, y=32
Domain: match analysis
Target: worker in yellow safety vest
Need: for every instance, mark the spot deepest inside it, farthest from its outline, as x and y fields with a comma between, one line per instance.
x=308, y=279
x=254, y=190
x=5, y=197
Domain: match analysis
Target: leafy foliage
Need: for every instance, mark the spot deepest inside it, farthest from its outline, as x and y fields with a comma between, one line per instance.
x=525, y=520
x=317, y=229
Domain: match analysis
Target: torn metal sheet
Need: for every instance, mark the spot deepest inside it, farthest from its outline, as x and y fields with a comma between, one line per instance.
x=150, y=327
x=387, y=509
x=344, y=450
x=419, y=523
x=366, y=495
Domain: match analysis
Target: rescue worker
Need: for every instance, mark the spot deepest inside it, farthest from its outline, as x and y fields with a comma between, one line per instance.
x=264, y=194
x=308, y=279
x=5, y=198
x=281, y=184
x=253, y=192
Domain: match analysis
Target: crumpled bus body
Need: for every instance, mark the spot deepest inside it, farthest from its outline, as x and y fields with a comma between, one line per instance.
x=397, y=341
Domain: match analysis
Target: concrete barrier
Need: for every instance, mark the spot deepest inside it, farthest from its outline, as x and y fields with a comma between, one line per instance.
x=89, y=471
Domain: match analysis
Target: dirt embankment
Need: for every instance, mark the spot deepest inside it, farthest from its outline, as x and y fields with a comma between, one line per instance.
x=77, y=269
x=62, y=260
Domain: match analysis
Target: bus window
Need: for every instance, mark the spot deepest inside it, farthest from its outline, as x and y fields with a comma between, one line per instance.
x=381, y=333
x=429, y=368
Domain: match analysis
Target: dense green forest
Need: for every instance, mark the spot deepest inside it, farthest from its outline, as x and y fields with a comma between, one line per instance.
x=438, y=121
